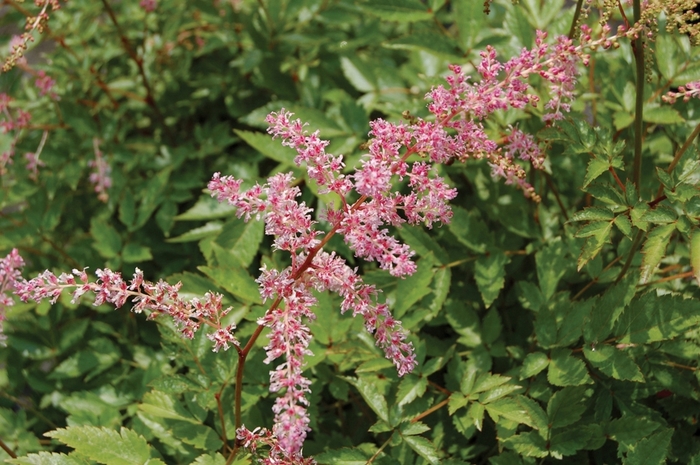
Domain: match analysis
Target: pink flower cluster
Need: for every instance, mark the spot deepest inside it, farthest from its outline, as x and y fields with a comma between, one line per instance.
x=686, y=92
x=159, y=298
x=9, y=275
x=100, y=175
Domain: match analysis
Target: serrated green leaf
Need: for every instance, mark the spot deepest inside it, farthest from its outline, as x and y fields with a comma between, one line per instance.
x=551, y=263
x=411, y=429
x=425, y=40
x=613, y=362
x=608, y=308
x=104, y=445
x=652, y=318
x=359, y=74
x=595, y=240
x=470, y=230
x=662, y=115
x=134, y=253
x=241, y=239
x=413, y=288
x=533, y=364
x=200, y=436
x=423, y=244
x=630, y=429
x=46, y=458
x=410, y=388
x=569, y=441
x=695, y=253
x=423, y=447
x=593, y=214
x=624, y=224
x=398, y=10
x=566, y=406
x=469, y=16
x=661, y=214
x=476, y=413
x=596, y=167
x=652, y=450
x=267, y=146
x=208, y=459
x=207, y=208
x=567, y=370
x=456, y=401
x=343, y=457
x=654, y=249
x=162, y=405
x=519, y=409
x=529, y=444
x=212, y=228
x=489, y=273
x=370, y=392
x=108, y=243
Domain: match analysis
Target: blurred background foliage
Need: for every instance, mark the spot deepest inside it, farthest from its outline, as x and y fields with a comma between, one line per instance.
x=530, y=348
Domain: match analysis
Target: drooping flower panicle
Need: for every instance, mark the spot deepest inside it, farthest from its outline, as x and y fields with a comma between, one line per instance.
x=10, y=274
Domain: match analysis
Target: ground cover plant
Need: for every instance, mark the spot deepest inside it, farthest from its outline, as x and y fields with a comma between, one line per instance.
x=343, y=231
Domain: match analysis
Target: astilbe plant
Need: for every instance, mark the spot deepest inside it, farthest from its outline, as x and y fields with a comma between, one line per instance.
x=396, y=184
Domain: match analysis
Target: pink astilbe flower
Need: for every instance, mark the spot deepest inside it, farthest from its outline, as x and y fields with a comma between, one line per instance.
x=100, y=176
x=45, y=85
x=148, y=5
x=686, y=92
x=159, y=298
x=9, y=275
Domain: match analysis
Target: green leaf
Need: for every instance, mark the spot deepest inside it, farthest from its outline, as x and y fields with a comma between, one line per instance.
x=207, y=208
x=470, y=230
x=212, y=228
x=529, y=444
x=491, y=327
x=242, y=239
x=46, y=458
x=423, y=447
x=411, y=429
x=533, y=364
x=567, y=370
x=200, y=436
x=593, y=214
x=652, y=318
x=134, y=253
x=268, y=147
x=215, y=459
x=695, y=253
x=413, y=288
x=489, y=273
x=359, y=74
x=370, y=392
x=662, y=115
x=566, y=406
x=428, y=40
x=411, y=387
x=613, y=362
x=103, y=445
x=469, y=16
x=608, y=308
x=654, y=249
x=551, y=263
x=629, y=429
x=519, y=409
x=652, y=450
x=596, y=235
x=108, y=243
x=423, y=244
x=596, y=167
x=569, y=441
x=398, y=10
x=163, y=405
x=343, y=457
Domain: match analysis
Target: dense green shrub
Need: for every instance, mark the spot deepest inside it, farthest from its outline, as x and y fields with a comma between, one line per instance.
x=551, y=317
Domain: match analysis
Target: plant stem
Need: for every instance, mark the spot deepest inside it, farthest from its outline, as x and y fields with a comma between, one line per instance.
x=435, y=407
x=9, y=451
x=574, y=22
x=150, y=99
x=639, y=107
x=637, y=240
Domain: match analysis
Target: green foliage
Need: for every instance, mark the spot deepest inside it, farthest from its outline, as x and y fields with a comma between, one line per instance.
x=564, y=331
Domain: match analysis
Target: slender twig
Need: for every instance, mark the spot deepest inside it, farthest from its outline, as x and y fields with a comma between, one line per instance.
x=595, y=280
x=224, y=436
x=681, y=151
x=637, y=240
x=617, y=179
x=687, y=274
x=432, y=409
x=150, y=99
x=9, y=451
x=574, y=22
x=639, y=107
x=27, y=406
x=553, y=188
x=379, y=451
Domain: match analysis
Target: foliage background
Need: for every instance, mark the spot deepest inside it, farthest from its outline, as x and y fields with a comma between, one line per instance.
x=530, y=347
